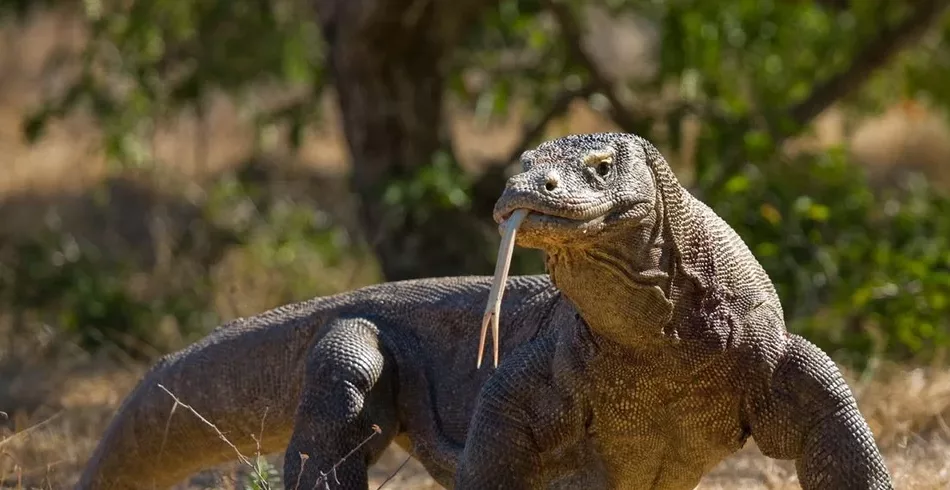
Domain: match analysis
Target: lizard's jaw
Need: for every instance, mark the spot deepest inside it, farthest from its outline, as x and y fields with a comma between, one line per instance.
x=546, y=228
x=509, y=204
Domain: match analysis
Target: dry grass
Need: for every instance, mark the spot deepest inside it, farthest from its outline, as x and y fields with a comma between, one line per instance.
x=907, y=410
x=57, y=400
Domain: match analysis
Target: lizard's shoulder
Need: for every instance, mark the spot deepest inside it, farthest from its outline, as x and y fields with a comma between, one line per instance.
x=763, y=338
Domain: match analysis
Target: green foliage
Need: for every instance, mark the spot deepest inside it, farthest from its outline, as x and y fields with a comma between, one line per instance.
x=292, y=239
x=744, y=53
x=73, y=287
x=264, y=477
x=858, y=272
x=102, y=299
x=920, y=73
x=148, y=60
x=514, y=54
x=441, y=185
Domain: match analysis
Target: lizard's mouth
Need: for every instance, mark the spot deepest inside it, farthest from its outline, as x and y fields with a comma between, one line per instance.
x=543, y=217
x=591, y=220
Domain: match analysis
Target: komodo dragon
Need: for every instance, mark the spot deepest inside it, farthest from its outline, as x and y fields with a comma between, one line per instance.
x=679, y=352
x=659, y=352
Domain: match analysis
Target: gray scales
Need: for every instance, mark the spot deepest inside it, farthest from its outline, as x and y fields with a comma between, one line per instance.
x=654, y=348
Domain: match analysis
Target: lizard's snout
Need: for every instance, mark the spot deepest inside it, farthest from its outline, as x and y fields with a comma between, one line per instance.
x=542, y=185
x=532, y=190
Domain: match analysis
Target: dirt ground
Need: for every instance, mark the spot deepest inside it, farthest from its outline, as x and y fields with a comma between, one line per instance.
x=53, y=410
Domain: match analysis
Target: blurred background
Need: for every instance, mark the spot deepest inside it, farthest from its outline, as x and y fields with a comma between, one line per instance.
x=166, y=166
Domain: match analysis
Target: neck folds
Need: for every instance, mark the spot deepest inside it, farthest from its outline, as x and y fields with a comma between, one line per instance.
x=621, y=285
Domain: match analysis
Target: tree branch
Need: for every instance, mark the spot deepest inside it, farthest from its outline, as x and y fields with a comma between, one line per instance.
x=573, y=34
x=875, y=55
x=629, y=120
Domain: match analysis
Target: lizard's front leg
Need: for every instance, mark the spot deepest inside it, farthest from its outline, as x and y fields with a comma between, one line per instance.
x=809, y=414
x=520, y=415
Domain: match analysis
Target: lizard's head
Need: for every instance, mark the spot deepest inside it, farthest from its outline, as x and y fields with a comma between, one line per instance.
x=578, y=189
x=591, y=200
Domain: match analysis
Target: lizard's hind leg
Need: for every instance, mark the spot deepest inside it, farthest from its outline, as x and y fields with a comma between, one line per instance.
x=348, y=389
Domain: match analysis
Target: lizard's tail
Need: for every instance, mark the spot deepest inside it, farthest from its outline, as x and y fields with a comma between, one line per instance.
x=244, y=378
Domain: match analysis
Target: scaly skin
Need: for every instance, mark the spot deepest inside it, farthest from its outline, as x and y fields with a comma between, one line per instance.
x=318, y=374
x=679, y=353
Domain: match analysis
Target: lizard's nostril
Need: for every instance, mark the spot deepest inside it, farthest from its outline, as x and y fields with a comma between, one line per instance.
x=551, y=181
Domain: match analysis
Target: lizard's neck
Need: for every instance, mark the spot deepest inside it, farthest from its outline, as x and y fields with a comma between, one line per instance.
x=622, y=286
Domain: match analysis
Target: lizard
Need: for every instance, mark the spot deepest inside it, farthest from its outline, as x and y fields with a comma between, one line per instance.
x=677, y=351
x=314, y=378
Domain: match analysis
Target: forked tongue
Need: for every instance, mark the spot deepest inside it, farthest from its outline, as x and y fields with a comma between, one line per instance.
x=493, y=308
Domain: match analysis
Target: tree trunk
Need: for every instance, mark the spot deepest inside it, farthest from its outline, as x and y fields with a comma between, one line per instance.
x=388, y=59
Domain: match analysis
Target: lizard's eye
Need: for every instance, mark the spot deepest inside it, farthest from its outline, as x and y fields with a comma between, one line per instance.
x=599, y=163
